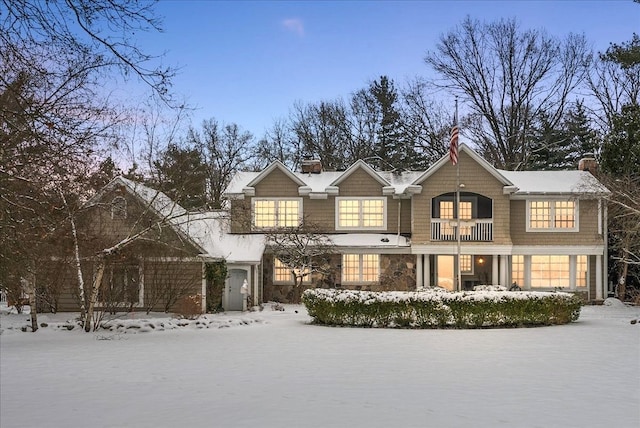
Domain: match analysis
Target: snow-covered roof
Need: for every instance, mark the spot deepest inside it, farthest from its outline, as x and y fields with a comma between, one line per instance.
x=369, y=240
x=211, y=231
x=318, y=183
x=554, y=182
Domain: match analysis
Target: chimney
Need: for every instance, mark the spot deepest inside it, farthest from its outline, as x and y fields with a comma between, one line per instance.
x=588, y=163
x=311, y=166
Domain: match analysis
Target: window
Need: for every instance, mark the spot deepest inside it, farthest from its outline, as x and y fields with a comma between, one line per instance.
x=361, y=213
x=360, y=268
x=517, y=270
x=552, y=215
x=121, y=285
x=282, y=273
x=550, y=271
x=119, y=208
x=466, y=263
x=272, y=213
x=446, y=213
x=581, y=271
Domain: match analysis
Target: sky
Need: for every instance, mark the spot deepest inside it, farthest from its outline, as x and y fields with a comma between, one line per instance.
x=248, y=62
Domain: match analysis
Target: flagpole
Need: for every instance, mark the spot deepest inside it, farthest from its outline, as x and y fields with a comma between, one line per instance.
x=458, y=208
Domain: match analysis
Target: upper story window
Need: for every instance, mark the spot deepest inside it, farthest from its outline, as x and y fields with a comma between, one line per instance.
x=119, y=208
x=273, y=213
x=472, y=206
x=545, y=216
x=360, y=213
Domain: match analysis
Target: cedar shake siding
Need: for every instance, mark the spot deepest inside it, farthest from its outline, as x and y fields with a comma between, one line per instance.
x=587, y=233
x=477, y=180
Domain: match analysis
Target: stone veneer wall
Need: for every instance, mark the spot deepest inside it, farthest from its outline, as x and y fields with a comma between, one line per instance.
x=397, y=273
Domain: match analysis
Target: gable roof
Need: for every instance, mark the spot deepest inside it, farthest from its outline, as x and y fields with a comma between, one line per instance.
x=326, y=180
x=360, y=164
x=476, y=157
x=159, y=203
x=275, y=165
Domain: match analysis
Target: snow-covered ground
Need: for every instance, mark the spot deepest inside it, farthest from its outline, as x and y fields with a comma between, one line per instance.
x=274, y=369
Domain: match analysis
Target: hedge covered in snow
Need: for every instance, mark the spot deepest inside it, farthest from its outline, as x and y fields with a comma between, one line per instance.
x=436, y=308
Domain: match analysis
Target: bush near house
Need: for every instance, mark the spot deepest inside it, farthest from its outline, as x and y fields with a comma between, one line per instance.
x=435, y=308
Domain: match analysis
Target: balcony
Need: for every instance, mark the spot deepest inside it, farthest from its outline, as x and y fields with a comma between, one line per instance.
x=478, y=230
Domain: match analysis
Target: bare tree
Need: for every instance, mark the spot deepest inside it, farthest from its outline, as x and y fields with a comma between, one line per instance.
x=55, y=59
x=304, y=250
x=225, y=148
x=279, y=143
x=614, y=80
x=508, y=77
x=322, y=130
x=167, y=284
x=426, y=122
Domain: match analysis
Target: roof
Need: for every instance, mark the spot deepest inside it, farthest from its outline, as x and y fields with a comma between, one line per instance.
x=318, y=183
x=479, y=159
x=554, y=182
x=211, y=231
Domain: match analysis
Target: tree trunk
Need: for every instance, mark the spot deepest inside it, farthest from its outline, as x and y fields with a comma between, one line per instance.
x=32, y=304
x=95, y=288
x=622, y=280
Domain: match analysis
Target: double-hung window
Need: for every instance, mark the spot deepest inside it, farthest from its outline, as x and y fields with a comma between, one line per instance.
x=274, y=213
x=361, y=213
x=550, y=215
x=282, y=273
x=360, y=268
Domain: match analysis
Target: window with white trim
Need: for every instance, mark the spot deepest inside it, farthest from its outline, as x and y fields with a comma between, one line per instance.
x=517, y=270
x=550, y=271
x=282, y=273
x=552, y=216
x=360, y=213
x=273, y=213
x=581, y=271
x=466, y=263
x=360, y=268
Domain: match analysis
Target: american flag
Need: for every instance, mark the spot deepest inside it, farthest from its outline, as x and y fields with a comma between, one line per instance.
x=453, y=142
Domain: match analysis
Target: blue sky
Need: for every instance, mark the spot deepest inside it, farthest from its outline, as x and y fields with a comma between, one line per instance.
x=248, y=62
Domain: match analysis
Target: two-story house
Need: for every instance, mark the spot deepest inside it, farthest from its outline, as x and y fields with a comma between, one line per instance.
x=539, y=230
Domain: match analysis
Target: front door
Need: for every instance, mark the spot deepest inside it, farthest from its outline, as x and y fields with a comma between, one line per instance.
x=236, y=298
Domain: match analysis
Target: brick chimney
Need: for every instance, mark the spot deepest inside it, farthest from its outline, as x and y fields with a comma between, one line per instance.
x=311, y=166
x=588, y=163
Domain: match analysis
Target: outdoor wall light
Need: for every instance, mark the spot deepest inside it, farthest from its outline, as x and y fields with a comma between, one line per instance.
x=480, y=261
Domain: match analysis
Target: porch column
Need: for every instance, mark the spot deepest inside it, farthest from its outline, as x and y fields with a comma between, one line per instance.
x=419, y=273
x=427, y=270
x=504, y=264
x=494, y=270
x=599, y=288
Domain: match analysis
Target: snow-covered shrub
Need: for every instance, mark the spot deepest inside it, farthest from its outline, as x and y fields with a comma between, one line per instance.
x=437, y=309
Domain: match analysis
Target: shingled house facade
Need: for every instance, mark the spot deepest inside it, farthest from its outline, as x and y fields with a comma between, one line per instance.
x=537, y=230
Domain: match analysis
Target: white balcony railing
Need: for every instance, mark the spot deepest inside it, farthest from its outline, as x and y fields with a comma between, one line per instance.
x=470, y=230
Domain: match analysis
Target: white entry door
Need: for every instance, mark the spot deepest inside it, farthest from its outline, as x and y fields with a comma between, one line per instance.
x=236, y=298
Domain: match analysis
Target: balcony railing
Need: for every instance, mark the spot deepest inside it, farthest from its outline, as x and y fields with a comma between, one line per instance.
x=470, y=230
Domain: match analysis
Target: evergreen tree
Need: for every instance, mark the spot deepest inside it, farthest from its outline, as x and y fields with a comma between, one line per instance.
x=183, y=176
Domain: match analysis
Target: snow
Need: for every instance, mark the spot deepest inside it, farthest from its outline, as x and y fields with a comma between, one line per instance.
x=554, y=182
x=274, y=369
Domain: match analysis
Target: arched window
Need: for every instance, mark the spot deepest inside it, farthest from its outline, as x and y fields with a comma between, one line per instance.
x=119, y=208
